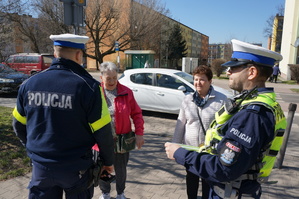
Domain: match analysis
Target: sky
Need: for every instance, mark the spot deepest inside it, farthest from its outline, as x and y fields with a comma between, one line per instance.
x=223, y=20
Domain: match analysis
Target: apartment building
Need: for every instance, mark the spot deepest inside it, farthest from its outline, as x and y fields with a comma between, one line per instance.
x=196, y=42
x=222, y=51
x=12, y=41
x=276, y=37
x=219, y=51
x=290, y=37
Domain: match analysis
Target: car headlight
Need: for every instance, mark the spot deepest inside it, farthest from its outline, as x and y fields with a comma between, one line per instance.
x=4, y=80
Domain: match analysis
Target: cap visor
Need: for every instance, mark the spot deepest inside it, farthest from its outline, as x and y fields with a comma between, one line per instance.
x=234, y=63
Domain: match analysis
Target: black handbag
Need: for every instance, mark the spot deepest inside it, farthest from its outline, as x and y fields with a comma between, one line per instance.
x=125, y=142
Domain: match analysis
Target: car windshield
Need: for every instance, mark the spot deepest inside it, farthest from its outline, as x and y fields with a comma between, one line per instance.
x=122, y=75
x=48, y=58
x=185, y=76
x=5, y=69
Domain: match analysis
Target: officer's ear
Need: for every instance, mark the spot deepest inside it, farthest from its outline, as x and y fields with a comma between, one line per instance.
x=79, y=56
x=252, y=73
x=56, y=51
x=55, y=54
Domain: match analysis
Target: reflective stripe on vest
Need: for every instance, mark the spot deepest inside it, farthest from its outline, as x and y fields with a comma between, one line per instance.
x=19, y=117
x=105, y=116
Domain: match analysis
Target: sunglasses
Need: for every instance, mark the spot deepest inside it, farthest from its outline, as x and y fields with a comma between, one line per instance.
x=234, y=69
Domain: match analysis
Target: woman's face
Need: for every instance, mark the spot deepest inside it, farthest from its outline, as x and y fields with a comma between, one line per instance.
x=109, y=80
x=202, y=84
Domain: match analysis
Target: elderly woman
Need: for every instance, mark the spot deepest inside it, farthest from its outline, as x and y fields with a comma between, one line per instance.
x=123, y=107
x=196, y=113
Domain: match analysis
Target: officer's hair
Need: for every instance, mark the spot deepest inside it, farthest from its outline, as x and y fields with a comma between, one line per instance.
x=264, y=71
x=203, y=69
x=62, y=50
x=107, y=66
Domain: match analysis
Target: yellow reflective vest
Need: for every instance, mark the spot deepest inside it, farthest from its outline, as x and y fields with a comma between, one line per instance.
x=214, y=135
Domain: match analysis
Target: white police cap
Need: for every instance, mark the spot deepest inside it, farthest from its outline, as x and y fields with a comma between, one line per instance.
x=69, y=40
x=245, y=53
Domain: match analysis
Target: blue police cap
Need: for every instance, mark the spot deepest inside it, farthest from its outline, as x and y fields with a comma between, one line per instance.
x=69, y=40
x=245, y=53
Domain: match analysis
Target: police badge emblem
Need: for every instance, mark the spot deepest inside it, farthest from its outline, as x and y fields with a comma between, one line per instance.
x=229, y=153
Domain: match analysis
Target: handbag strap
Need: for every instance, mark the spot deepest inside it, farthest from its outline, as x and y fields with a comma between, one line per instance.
x=200, y=121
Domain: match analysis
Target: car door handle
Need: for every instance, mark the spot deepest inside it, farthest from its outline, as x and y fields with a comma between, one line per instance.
x=134, y=89
x=159, y=93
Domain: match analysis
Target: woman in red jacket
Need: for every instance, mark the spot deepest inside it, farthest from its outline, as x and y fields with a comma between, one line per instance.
x=123, y=107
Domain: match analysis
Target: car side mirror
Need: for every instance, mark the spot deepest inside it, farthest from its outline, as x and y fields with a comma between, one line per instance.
x=182, y=88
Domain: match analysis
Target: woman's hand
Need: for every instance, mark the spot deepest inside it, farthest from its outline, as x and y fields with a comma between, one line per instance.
x=139, y=141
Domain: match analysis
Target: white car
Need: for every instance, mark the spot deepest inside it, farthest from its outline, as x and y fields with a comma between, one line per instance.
x=160, y=89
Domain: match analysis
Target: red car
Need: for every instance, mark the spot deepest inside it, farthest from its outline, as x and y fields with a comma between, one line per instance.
x=29, y=63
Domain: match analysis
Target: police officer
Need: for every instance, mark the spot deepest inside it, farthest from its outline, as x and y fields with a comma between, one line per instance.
x=243, y=140
x=60, y=114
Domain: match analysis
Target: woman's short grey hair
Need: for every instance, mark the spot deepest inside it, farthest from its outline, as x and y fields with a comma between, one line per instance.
x=107, y=66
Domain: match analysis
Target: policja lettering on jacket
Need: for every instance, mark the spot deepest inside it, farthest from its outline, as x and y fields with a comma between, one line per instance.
x=47, y=99
x=241, y=135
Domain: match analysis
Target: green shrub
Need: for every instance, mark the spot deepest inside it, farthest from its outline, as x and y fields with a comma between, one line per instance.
x=216, y=66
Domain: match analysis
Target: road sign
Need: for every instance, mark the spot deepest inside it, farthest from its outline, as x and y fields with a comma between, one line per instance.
x=80, y=2
x=68, y=13
x=73, y=12
x=116, y=46
x=77, y=2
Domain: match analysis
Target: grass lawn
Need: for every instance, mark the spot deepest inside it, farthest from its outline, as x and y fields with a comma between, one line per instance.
x=295, y=90
x=13, y=159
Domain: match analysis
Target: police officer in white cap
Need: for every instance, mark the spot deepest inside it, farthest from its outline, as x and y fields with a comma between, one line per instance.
x=60, y=114
x=242, y=143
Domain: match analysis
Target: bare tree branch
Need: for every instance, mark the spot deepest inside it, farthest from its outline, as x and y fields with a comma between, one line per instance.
x=134, y=26
x=269, y=23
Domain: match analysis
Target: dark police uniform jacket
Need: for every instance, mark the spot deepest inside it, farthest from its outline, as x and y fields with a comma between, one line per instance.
x=248, y=131
x=60, y=114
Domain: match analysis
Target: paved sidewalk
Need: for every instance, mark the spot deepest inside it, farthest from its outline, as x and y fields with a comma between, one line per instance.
x=152, y=176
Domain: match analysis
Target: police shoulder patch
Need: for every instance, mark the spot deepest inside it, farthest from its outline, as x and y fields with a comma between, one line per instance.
x=229, y=153
x=254, y=107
